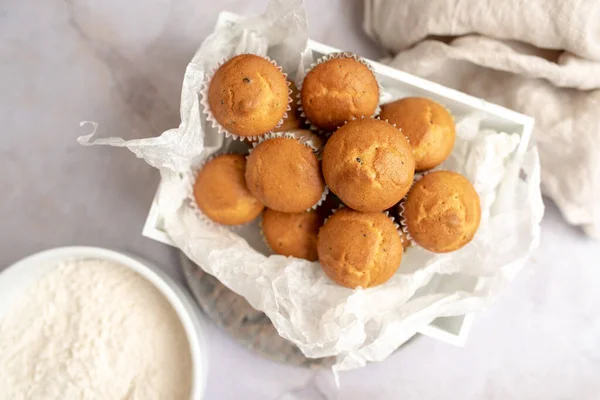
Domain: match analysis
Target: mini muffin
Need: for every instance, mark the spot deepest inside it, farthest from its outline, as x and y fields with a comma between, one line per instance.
x=285, y=175
x=221, y=194
x=292, y=234
x=368, y=164
x=339, y=90
x=359, y=249
x=442, y=211
x=428, y=126
x=248, y=95
x=293, y=120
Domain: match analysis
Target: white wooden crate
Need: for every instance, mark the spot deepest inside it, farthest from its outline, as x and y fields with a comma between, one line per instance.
x=453, y=330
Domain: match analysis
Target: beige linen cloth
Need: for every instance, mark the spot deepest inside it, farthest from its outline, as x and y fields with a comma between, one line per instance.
x=539, y=57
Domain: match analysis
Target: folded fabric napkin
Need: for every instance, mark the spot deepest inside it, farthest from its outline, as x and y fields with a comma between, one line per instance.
x=539, y=57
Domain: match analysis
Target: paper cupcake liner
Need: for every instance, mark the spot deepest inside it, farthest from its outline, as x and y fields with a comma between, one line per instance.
x=396, y=225
x=321, y=60
x=321, y=200
x=208, y=112
x=391, y=218
x=327, y=209
x=190, y=180
x=305, y=135
x=403, y=225
x=302, y=140
x=306, y=141
x=417, y=177
x=333, y=211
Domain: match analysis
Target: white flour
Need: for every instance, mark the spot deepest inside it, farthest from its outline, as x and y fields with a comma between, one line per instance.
x=93, y=330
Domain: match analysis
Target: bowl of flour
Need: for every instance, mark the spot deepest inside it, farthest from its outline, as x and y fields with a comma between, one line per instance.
x=91, y=323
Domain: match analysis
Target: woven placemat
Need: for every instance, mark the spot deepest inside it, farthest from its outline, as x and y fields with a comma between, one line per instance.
x=232, y=313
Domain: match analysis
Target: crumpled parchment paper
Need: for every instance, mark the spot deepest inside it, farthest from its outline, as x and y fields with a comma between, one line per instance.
x=320, y=317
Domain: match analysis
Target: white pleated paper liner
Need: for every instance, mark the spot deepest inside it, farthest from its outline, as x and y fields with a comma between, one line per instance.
x=321, y=60
x=190, y=180
x=302, y=139
x=333, y=211
x=297, y=135
x=403, y=226
x=208, y=112
x=321, y=200
x=304, y=136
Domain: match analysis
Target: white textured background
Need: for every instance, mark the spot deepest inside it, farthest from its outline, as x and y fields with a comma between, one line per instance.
x=121, y=63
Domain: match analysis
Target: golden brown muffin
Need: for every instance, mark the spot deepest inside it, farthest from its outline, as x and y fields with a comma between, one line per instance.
x=359, y=249
x=442, y=211
x=292, y=234
x=428, y=126
x=221, y=194
x=368, y=164
x=285, y=175
x=339, y=90
x=248, y=95
x=293, y=120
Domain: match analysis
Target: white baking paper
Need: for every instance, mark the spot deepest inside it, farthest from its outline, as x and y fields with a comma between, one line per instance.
x=320, y=317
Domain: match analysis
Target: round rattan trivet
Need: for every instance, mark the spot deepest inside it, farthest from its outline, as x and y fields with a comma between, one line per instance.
x=232, y=313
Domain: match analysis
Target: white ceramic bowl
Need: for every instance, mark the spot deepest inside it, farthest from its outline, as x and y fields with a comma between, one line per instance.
x=18, y=277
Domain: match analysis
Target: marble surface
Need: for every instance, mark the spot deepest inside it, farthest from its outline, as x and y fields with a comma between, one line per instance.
x=121, y=63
